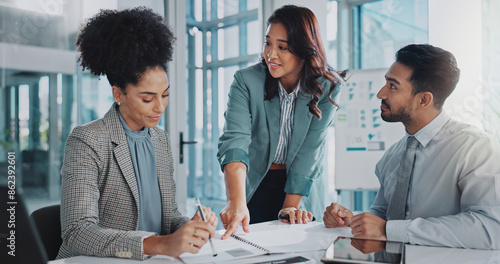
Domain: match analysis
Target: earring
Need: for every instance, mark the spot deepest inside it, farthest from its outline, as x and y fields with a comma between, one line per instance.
x=118, y=103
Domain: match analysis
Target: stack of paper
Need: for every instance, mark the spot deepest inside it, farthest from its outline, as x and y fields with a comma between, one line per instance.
x=268, y=237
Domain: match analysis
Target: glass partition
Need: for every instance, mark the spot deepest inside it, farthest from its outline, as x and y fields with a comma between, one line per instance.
x=222, y=36
x=44, y=93
x=380, y=28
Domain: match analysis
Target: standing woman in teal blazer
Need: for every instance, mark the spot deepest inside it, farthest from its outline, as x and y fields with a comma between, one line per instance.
x=278, y=112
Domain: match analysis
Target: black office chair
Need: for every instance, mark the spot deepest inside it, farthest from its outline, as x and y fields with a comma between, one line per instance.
x=48, y=223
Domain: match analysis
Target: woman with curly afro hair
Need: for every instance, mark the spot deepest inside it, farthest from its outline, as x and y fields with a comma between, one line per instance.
x=118, y=192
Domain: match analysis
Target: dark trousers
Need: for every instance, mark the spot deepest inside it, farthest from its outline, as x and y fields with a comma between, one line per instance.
x=268, y=199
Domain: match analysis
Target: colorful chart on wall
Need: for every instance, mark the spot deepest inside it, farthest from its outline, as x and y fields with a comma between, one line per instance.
x=361, y=136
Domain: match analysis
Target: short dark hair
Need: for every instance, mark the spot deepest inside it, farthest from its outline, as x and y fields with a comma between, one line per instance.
x=434, y=70
x=124, y=44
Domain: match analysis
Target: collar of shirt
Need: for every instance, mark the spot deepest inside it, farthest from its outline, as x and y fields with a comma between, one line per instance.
x=133, y=134
x=429, y=131
x=288, y=96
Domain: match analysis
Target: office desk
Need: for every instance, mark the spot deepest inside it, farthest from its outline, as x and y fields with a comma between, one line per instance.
x=308, y=241
x=313, y=255
x=414, y=255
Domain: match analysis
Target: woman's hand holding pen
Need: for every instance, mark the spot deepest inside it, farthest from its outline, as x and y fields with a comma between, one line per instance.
x=233, y=214
x=295, y=216
x=189, y=238
x=290, y=209
x=210, y=216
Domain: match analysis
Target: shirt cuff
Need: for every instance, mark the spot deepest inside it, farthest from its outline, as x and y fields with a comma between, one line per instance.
x=144, y=255
x=234, y=155
x=298, y=184
x=395, y=230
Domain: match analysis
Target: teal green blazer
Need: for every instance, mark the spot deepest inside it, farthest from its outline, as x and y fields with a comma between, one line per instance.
x=251, y=135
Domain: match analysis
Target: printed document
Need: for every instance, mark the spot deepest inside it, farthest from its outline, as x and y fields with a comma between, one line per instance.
x=267, y=238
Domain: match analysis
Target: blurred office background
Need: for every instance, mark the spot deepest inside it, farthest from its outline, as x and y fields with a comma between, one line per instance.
x=44, y=94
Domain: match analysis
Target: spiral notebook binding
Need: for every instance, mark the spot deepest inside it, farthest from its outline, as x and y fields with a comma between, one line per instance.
x=250, y=243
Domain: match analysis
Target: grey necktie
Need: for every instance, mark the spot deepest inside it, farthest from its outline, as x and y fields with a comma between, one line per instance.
x=397, y=205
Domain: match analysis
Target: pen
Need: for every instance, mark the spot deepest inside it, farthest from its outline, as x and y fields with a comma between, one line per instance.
x=287, y=217
x=198, y=204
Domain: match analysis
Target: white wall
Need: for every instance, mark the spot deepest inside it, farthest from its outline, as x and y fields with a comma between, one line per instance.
x=176, y=109
x=456, y=26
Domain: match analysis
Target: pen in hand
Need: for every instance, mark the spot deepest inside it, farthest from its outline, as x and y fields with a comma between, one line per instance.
x=200, y=209
x=287, y=217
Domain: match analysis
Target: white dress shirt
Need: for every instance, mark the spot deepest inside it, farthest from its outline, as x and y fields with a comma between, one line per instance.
x=454, y=196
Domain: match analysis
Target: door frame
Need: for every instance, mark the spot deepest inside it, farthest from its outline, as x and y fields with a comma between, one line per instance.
x=175, y=116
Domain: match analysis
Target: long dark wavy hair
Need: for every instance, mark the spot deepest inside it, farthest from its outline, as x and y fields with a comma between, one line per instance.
x=304, y=41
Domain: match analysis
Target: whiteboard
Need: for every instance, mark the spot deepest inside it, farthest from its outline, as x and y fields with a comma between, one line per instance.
x=361, y=136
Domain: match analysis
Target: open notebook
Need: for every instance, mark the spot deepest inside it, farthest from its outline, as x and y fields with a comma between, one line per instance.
x=267, y=238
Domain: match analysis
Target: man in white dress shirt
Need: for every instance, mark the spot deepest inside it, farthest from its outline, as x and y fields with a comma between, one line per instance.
x=453, y=196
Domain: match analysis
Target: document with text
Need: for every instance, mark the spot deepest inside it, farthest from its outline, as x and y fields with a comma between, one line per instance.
x=267, y=238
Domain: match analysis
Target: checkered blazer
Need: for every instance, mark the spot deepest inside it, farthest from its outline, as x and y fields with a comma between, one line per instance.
x=99, y=199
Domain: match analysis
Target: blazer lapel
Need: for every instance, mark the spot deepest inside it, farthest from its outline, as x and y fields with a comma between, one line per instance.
x=272, y=108
x=162, y=162
x=122, y=152
x=301, y=122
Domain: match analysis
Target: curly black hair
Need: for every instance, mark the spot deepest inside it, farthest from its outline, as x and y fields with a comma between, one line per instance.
x=124, y=44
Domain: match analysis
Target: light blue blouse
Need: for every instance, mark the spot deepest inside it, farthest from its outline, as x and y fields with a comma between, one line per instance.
x=143, y=157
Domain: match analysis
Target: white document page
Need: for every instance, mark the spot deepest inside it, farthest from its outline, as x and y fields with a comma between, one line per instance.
x=228, y=249
x=279, y=237
x=274, y=236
